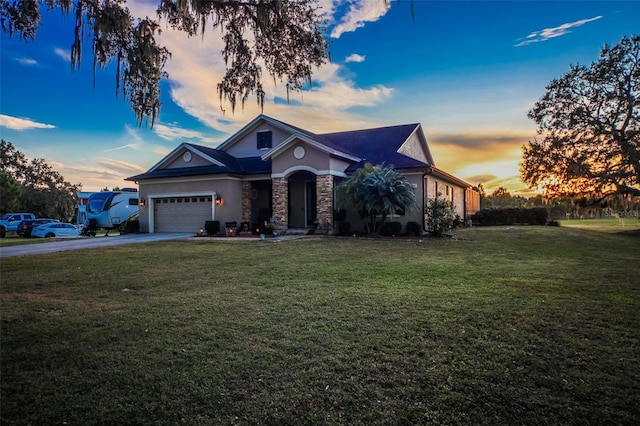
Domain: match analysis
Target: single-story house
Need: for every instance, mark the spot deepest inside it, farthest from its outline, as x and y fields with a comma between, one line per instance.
x=271, y=170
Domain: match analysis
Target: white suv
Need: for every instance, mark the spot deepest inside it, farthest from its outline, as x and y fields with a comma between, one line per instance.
x=10, y=222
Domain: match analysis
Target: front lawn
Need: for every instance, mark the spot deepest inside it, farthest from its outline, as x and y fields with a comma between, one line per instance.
x=518, y=325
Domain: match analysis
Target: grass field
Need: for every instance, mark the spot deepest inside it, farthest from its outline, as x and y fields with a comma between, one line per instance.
x=519, y=325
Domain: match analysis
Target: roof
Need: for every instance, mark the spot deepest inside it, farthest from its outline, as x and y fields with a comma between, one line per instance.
x=381, y=145
x=229, y=164
x=375, y=146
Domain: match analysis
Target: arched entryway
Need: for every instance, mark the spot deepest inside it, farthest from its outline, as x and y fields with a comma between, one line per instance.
x=302, y=208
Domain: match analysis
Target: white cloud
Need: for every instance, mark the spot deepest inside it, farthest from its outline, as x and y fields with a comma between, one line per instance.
x=28, y=61
x=173, y=132
x=549, y=33
x=64, y=54
x=118, y=148
x=16, y=123
x=359, y=13
x=119, y=165
x=354, y=57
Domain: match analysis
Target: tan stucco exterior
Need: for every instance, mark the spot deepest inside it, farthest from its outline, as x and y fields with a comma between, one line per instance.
x=299, y=189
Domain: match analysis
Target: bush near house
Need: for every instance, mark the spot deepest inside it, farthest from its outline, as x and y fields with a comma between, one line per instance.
x=212, y=227
x=511, y=216
x=413, y=229
x=391, y=229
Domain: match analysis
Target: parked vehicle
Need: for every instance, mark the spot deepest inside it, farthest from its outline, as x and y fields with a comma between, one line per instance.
x=25, y=227
x=111, y=209
x=10, y=222
x=55, y=229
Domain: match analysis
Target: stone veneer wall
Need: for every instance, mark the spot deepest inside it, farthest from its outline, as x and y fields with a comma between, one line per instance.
x=280, y=194
x=246, y=201
x=324, y=195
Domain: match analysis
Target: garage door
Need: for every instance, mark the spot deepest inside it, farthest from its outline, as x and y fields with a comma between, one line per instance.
x=181, y=214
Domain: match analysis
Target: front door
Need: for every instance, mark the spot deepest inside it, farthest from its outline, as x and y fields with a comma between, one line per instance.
x=302, y=200
x=312, y=206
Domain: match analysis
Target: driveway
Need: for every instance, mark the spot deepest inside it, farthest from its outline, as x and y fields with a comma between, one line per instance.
x=84, y=243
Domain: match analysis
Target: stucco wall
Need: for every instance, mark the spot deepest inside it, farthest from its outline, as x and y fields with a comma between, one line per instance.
x=313, y=160
x=229, y=189
x=178, y=161
x=456, y=194
x=247, y=145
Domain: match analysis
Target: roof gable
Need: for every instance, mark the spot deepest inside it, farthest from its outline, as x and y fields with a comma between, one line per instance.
x=258, y=123
x=178, y=158
x=274, y=152
x=384, y=145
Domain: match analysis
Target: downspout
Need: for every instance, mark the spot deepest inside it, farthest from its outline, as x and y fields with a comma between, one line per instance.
x=424, y=197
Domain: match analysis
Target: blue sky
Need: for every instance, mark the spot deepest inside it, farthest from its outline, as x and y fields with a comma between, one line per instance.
x=467, y=71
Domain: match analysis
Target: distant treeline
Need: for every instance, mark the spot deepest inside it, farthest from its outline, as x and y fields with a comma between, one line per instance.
x=511, y=216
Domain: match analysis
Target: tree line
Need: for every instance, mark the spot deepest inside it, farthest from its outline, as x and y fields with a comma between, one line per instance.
x=34, y=186
x=563, y=207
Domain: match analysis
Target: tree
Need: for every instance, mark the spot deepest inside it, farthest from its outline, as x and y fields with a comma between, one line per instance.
x=284, y=35
x=441, y=214
x=377, y=191
x=10, y=193
x=589, y=127
x=43, y=190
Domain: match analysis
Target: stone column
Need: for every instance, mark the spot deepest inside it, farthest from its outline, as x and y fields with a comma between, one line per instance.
x=246, y=201
x=324, y=200
x=280, y=198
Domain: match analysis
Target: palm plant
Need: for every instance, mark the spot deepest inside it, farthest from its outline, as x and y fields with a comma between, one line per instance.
x=377, y=191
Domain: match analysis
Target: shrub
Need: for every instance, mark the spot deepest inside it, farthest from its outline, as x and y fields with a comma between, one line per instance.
x=511, y=216
x=344, y=227
x=440, y=215
x=413, y=228
x=391, y=229
x=212, y=227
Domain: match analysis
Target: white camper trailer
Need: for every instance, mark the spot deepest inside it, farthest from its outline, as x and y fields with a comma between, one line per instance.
x=111, y=209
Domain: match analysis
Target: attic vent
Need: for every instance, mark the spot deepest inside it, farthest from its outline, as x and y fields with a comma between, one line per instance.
x=264, y=140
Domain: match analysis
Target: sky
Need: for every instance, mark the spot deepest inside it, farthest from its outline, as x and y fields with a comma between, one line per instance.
x=468, y=71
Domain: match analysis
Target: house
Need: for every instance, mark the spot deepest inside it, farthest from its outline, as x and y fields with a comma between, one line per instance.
x=273, y=170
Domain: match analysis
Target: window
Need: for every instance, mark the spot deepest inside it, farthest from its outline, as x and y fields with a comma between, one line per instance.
x=133, y=201
x=264, y=139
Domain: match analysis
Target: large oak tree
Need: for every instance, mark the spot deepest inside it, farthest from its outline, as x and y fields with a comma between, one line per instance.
x=284, y=36
x=588, y=142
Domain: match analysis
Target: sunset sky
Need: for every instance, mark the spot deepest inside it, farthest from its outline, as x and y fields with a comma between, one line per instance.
x=468, y=71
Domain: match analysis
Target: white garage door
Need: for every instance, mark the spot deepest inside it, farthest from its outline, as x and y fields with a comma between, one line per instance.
x=181, y=214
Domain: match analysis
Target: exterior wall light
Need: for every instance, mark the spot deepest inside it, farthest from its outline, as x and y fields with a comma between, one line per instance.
x=219, y=200
x=143, y=202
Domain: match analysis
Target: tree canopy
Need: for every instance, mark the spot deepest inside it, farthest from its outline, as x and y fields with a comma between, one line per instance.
x=377, y=191
x=589, y=128
x=34, y=186
x=284, y=36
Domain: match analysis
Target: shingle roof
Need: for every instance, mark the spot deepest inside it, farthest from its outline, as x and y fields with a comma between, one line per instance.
x=249, y=165
x=375, y=146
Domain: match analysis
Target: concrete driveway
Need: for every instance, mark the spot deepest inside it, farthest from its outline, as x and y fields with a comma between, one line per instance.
x=87, y=242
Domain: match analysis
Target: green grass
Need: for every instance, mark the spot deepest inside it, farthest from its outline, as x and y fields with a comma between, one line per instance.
x=609, y=225
x=525, y=325
x=13, y=239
